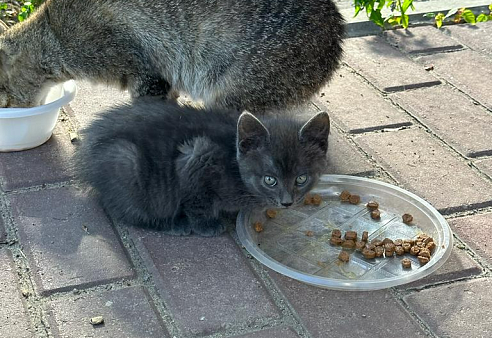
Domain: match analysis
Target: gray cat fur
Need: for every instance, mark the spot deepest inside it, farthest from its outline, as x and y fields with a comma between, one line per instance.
x=240, y=54
x=156, y=164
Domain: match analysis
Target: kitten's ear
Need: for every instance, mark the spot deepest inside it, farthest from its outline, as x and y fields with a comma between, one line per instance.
x=316, y=130
x=251, y=133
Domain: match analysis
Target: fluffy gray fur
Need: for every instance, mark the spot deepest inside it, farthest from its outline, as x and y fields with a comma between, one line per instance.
x=156, y=164
x=253, y=55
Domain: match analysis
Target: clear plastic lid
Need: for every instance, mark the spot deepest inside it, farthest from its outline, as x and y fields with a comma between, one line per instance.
x=285, y=246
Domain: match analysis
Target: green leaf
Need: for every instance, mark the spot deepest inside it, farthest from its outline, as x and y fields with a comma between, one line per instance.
x=482, y=18
x=451, y=13
x=438, y=19
x=429, y=15
x=406, y=4
x=468, y=16
x=357, y=10
x=404, y=21
x=381, y=5
x=377, y=18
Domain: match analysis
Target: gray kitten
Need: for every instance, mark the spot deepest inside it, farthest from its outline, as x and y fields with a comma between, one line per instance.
x=240, y=54
x=156, y=164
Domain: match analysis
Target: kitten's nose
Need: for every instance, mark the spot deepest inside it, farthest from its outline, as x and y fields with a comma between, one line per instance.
x=286, y=204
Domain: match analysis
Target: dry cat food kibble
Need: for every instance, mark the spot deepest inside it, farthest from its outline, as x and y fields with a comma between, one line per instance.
x=407, y=218
x=336, y=240
x=423, y=260
x=360, y=245
x=336, y=233
x=309, y=233
x=348, y=243
x=316, y=200
x=406, y=263
x=344, y=256
x=369, y=254
x=372, y=205
x=379, y=250
x=351, y=235
x=312, y=199
x=354, y=199
x=271, y=213
x=365, y=236
x=258, y=227
x=345, y=196
x=376, y=214
x=399, y=251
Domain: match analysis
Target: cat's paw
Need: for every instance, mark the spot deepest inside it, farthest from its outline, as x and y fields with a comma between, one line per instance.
x=208, y=227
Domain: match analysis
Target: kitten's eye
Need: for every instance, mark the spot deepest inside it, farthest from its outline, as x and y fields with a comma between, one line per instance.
x=301, y=179
x=269, y=180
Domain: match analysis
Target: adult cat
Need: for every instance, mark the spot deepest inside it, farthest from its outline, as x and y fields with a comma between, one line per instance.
x=253, y=55
x=156, y=164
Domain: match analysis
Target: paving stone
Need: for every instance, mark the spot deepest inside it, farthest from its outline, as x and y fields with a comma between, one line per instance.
x=456, y=310
x=91, y=99
x=14, y=319
x=205, y=282
x=3, y=233
x=473, y=76
x=347, y=314
x=385, y=66
x=47, y=163
x=452, y=116
x=424, y=39
x=423, y=165
x=475, y=230
x=478, y=37
x=345, y=159
x=368, y=110
x=68, y=240
x=458, y=265
x=485, y=166
x=272, y=333
x=126, y=312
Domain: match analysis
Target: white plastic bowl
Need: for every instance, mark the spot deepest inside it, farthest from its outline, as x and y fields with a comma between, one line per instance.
x=25, y=128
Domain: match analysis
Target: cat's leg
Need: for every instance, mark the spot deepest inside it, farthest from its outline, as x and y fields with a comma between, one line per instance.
x=204, y=225
x=174, y=226
x=151, y=85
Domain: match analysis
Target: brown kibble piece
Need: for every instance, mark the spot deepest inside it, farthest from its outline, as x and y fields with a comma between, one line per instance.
x=430, y=246
x=360, y=245
x=406, y=263
x=377, y=242
x=365, y=236
x=308, y=199
x=389, y=246
x=316, y=199
x=354, y=199
x=419, y=243
x=309, y=233
x=428, y=240
x=387, y=240
x=409, y=241
x=344, y=256
x=414, y=250
x=379, y=251
x=376, y=214
x=258, y=227
x=406, y=247
x=398, y=242
x=424, y=253
x=345, y=196
x=271, y=213
x=407, y=218
x=349, y=244
x=369, y=254
x=351, y=235
x=370, y=246
x=372, y=205
x=336, y=233
x=423, y=260
x=399, y=250
x=336, y=241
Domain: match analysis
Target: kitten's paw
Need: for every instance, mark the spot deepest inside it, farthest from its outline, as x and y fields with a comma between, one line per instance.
x=208, y=228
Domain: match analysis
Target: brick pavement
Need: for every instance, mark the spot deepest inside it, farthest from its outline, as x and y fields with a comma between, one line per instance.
x=66, y=262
